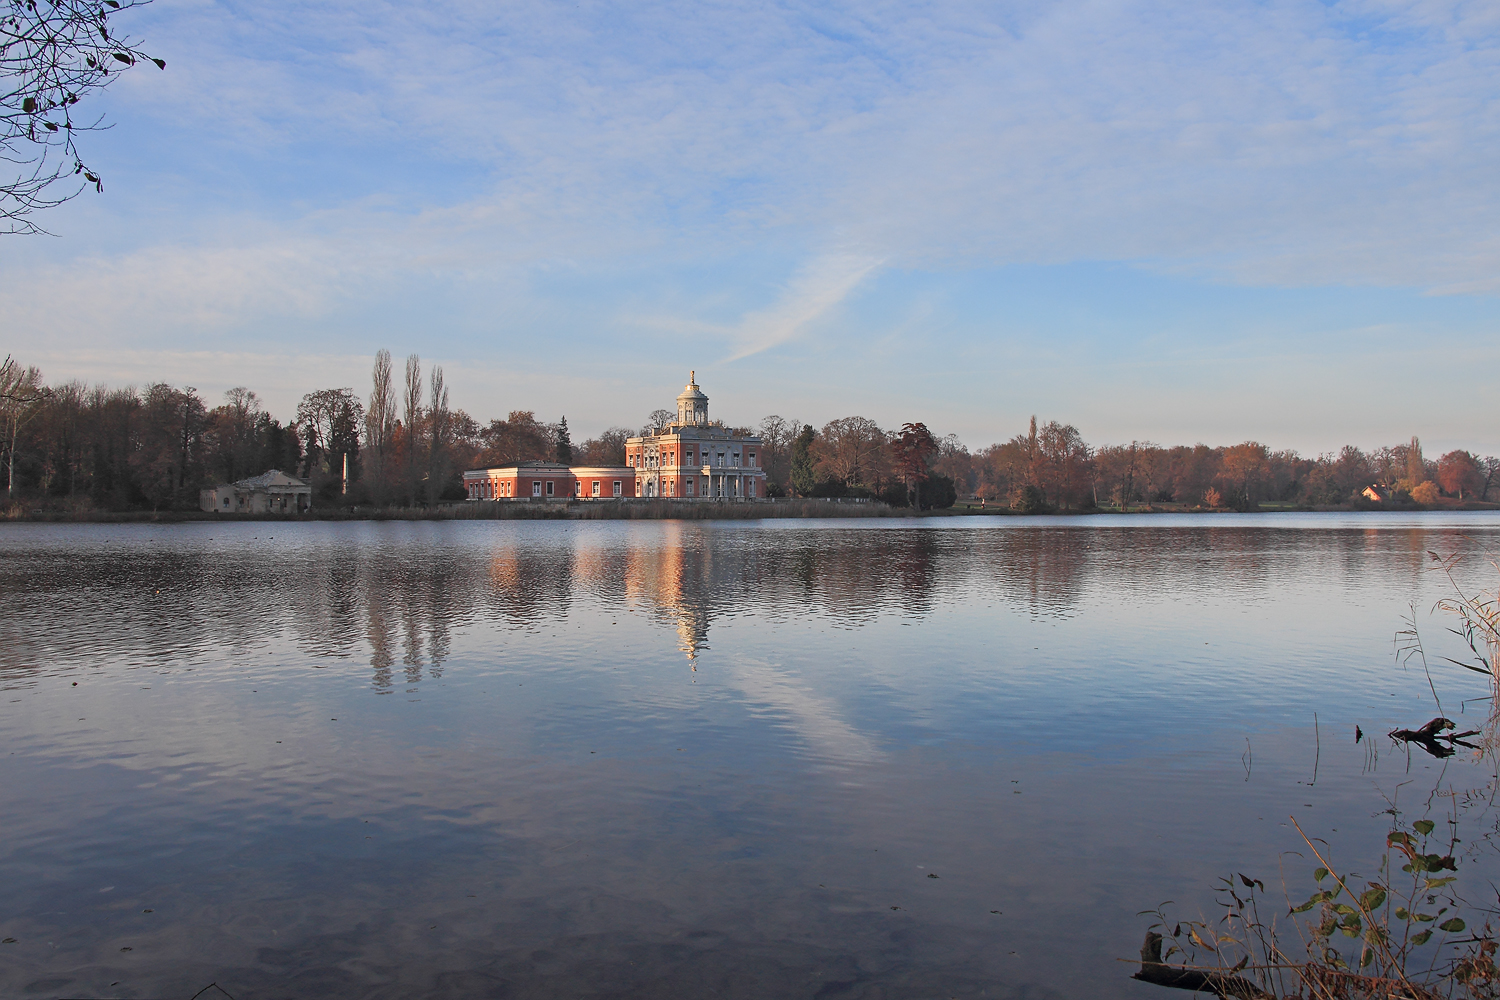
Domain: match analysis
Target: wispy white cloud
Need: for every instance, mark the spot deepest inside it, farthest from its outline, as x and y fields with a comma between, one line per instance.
x=1288, y=142
x=488, y=178
x=172, y=290
x=816, y=289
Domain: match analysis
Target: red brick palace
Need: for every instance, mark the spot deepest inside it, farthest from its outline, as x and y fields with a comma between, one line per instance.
x=688, y=459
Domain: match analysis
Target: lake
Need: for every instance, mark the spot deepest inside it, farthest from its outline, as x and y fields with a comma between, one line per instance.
x=855, y=758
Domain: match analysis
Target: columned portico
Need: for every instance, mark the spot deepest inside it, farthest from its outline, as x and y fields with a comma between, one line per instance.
x=694, y=458
x=689, y=458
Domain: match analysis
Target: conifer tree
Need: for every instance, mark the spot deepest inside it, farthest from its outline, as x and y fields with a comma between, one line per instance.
x=803, y=477
x=564, y=443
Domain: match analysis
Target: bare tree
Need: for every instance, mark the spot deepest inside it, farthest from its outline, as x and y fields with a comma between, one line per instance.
x=606, y=449
x=776, y=437
x=21, y=396
x=658, y=420
x=53, y=54
x=1490, y=466
x=437, y=435
x=413, y=419
x=167, y=457
x=1416, y=468
x=380, y=416
x=954, y=461
x=1033, y=455
x=848, y=449
x=330, y=420
x=380, y=423
x=1064, y=463
x=520, y=438
x=232, y=433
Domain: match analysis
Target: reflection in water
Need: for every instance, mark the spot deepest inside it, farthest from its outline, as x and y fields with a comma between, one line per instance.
x=399, y=591
x=1053, y=716
x=675, y=577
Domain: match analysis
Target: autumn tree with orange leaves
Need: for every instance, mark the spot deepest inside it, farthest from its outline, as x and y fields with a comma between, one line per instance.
x=911, y=451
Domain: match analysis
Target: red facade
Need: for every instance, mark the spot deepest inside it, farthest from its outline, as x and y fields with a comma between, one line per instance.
x=549, y=481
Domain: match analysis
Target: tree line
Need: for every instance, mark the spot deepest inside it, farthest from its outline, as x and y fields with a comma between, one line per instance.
x=80, y=446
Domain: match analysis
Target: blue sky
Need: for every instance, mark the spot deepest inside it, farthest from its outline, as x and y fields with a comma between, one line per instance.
x=1156, y=220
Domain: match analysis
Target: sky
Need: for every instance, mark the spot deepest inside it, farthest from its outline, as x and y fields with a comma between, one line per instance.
x=1166, y=221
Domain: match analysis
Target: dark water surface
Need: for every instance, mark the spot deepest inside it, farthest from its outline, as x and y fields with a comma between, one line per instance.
x=657, y=759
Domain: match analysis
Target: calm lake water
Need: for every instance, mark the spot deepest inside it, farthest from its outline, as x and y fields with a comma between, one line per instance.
x=658, y=759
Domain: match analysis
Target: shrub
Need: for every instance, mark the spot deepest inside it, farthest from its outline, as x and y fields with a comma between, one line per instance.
x=1028, y=499
x=937, y=492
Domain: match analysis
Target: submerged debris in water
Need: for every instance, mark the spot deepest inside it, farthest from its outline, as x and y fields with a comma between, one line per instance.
x=1428, y=737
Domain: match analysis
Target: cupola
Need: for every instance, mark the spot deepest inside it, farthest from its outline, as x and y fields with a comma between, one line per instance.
x=692, y=405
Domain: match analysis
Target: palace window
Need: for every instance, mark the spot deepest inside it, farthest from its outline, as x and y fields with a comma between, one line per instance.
x=671, y=489
x=689, y=484
x=596, y=487
x=750, y=459
x=617, y=487
x=549, y=487
x=536, y=487
x=578, y=487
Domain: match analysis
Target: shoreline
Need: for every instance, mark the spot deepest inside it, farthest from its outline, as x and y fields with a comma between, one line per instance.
x=666, y=510
x=594, y=510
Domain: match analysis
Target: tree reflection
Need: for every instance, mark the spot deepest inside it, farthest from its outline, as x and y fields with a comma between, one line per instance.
x=397, y=592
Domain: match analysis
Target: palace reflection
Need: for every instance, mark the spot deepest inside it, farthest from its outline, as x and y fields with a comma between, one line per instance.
x=676, y=576
x=394, y=594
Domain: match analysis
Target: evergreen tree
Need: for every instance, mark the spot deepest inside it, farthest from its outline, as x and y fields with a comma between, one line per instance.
x=803, y=477
x=564, y=443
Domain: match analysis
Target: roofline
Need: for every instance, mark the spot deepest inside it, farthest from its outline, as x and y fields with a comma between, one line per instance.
x=548, y=468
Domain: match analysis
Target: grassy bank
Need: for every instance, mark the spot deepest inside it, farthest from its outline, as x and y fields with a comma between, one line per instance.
x=593, y=510
x=656, y=510
x=972, y=509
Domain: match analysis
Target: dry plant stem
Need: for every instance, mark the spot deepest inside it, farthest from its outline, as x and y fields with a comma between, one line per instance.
x=1199, y=979
x=1481, y=620
x=1384, y=945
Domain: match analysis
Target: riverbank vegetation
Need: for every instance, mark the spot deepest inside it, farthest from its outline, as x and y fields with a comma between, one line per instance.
x=556, y=510
x=1417, y=926
x=72, y=447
